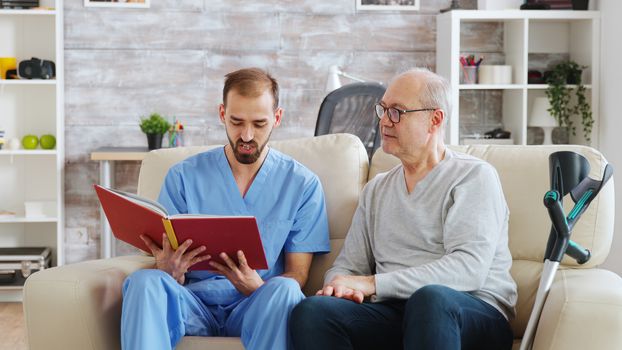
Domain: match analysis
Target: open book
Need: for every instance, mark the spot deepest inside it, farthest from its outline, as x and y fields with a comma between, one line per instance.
x=130, y=216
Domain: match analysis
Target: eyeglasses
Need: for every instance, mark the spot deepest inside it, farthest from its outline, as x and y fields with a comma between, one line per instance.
x=394, y=113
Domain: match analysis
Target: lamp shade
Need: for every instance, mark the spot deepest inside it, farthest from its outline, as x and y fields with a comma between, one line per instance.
x=540, y=116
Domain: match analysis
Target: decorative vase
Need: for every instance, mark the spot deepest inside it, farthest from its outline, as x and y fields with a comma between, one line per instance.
x=154, y=141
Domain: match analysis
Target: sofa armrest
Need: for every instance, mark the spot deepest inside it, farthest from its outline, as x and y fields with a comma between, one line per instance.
x=78, y=306
x=583, y=311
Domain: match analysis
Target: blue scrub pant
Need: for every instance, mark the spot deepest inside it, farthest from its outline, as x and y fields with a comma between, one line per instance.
x=434, y=318
x=157, y=312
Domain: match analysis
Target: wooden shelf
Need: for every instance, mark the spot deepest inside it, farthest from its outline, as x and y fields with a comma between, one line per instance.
x=10, y=12
x=490, y=86
x=37, y=107
x=501, y=15
x=511, y=86
x=51, y=82
x=531, y=40
x=544, y=86
x=25, y=220
x=27, y=152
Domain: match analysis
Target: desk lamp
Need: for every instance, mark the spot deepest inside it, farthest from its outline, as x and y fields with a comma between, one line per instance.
x=334, y=83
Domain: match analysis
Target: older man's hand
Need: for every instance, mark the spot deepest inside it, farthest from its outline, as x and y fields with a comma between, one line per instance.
x=355, y=288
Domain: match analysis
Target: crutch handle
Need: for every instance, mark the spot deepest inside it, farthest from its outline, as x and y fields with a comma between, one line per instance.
x=561, y=244
x=552, y=202
x=577, y=252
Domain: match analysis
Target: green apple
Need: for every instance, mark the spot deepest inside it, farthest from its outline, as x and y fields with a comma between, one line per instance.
x=48, y=141
x=30, y=141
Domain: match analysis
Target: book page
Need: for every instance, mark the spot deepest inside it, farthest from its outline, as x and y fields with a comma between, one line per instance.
x=144, y=202
x=194, y=216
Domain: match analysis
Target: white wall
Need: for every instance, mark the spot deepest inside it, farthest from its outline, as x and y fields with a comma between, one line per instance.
x=611, y=112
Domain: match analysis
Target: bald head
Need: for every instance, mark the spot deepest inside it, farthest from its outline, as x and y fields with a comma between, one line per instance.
x=424, y=89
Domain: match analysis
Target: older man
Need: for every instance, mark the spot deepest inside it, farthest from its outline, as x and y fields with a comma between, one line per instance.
x=426, y=263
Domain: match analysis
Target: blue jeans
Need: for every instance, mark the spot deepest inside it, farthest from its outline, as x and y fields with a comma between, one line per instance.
x=435, y=317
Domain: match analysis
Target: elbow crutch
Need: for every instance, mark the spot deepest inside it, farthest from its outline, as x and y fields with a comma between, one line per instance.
x=568, y=172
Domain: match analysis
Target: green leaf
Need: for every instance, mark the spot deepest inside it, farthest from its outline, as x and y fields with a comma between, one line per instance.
x=560, y=98
x=155, y=124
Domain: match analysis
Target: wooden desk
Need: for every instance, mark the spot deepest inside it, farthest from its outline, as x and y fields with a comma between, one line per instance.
x=106, y=157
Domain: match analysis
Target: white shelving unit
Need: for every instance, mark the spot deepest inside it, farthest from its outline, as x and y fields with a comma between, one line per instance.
x=32, y=107
x=525, y=33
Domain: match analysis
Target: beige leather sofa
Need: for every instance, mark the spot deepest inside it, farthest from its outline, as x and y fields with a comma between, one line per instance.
x=78, y=306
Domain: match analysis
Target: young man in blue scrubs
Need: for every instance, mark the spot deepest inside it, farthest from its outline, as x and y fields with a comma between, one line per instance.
x=245, y=177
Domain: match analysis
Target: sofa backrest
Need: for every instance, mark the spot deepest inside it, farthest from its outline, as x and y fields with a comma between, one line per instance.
x=155, y=165
x=524, y=174
x=341, y=163
x=339, y=160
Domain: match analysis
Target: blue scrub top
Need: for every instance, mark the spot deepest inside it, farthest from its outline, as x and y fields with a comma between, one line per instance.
x=285, y=197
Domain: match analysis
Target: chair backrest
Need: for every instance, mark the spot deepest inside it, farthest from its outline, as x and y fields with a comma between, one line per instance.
x=524, y=175
x=350, y=109
x=339, y=160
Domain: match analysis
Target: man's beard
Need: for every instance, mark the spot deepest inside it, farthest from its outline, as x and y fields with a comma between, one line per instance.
x=247, y=158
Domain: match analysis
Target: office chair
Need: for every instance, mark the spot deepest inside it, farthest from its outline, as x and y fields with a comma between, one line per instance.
x=350, y=109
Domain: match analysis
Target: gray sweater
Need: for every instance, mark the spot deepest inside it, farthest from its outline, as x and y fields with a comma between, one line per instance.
x=452, y=230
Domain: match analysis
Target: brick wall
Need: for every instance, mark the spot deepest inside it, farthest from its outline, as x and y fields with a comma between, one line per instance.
x=121, y=64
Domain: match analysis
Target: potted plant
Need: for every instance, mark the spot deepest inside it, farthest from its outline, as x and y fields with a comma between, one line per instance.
x=154, y=127
x=560, y=97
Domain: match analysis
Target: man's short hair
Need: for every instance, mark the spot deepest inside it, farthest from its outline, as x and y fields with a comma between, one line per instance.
x=251, y=82
x=436, y=92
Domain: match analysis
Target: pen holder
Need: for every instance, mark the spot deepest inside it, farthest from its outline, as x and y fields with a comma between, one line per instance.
x=468, y=75
x=176, y=138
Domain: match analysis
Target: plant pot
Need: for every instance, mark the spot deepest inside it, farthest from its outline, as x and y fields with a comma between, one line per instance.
x=154, y=141
x=573, y=77
x=580, y=4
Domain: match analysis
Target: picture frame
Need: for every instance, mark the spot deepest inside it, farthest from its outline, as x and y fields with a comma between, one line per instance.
x=387, y=5
x=117, y=3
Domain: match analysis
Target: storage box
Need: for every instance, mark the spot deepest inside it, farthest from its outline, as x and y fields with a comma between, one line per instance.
x=40, y=209
x=499, y=4
x=16, y=264
x=495, y=74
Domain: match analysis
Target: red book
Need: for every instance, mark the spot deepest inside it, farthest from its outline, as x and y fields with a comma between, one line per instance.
x=130, y=216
